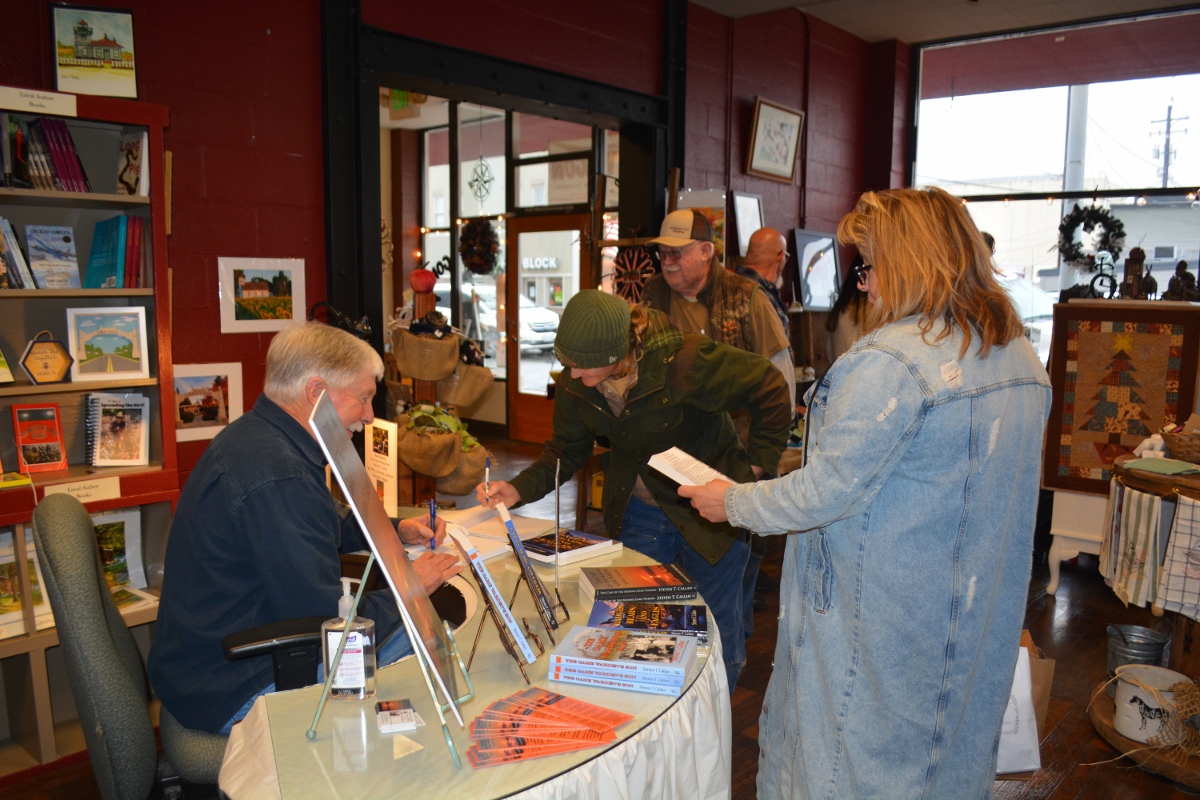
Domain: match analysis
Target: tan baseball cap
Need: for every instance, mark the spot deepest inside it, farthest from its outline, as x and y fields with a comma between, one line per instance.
x=682, y=227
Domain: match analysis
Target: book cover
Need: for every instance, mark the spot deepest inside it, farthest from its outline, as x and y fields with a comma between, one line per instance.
x=628, y=652
x=39, y=437
x=16, y=255
x=671, y=618
x=650, y=582
x=41, y=168
x=381, y=461
x=129, y=163
x=582, y=673
x=6, y=375
x=531, y=577
x=107, y=253
x=572, y=546
x=120, y=428
x=64, y=154
x=484, y=578
x=81, y=178
x=11, y=480
x=119, y=539
x=55, y=159
x=618, y=683
x=12, y=620
x=128, y=598
x=52, y=258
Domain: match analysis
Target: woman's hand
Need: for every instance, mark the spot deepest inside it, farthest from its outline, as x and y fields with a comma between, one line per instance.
x=708, y=499
x=497, y=492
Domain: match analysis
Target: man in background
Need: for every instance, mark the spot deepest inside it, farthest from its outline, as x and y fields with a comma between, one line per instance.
x=763, y=263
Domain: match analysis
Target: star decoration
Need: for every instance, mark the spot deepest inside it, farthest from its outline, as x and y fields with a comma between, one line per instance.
x=481, y=180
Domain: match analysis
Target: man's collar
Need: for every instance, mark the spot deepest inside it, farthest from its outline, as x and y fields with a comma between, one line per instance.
x=289, y=427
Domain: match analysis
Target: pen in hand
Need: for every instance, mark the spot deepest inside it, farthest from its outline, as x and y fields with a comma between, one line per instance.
x=487, y=479
x=433, y=524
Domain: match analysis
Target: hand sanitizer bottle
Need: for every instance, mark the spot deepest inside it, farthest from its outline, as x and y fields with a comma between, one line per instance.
x=355, y=678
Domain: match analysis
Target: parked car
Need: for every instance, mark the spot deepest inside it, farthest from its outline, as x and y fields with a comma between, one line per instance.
x=1036, y=309
x=537, y=325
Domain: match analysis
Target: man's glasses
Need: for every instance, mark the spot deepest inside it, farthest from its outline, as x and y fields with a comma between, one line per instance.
x=861, y=270
x=674, y=253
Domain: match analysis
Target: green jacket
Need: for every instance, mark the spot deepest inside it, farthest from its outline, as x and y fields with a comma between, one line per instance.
x=686, y=386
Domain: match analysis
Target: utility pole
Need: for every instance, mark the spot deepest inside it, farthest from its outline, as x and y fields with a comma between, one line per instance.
x=1166, y=168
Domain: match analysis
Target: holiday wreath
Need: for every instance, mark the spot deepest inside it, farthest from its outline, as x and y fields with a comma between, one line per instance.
x=1112, y=240
x=479, y=245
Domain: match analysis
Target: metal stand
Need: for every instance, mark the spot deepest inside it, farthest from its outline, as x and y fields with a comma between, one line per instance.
x=505, y=638
x=311, y=733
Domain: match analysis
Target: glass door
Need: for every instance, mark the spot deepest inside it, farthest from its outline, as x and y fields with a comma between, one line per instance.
x=546, y=265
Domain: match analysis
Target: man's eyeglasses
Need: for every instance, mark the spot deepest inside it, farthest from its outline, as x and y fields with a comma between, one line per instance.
x=674, y=253
x=861, y=270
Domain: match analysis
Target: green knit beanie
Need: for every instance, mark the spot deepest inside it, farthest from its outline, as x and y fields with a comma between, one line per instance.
x=593, y=331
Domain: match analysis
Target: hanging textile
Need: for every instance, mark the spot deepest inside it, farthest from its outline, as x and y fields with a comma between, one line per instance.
x=1136, y=580
x=1110, y=544
x=1180, y=588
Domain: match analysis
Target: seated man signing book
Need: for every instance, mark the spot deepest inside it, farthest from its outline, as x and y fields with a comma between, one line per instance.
x=256, y=535
x=635, y=378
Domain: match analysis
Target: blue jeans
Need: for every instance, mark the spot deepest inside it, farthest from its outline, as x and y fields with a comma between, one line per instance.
x=394, y=649
x=646, y=529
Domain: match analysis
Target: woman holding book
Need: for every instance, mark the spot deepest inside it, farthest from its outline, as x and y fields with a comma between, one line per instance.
x=905, y=579
x=632, y=376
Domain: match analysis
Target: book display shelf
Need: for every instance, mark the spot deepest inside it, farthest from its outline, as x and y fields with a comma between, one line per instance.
x=38, y=723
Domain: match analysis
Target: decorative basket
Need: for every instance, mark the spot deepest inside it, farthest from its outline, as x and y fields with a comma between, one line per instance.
x=423, y=357
x=467, y=475
x=432, y=454
x=1184, y=446
x=465, y=386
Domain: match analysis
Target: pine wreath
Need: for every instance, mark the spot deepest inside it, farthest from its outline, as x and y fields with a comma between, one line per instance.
x=1112, y=240
x=479, y=246
x=631, y=269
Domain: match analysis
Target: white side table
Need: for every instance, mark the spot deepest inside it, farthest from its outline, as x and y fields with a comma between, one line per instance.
x=1077, y=526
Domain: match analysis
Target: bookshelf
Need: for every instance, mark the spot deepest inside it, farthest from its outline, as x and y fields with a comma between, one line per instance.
x=38, y=722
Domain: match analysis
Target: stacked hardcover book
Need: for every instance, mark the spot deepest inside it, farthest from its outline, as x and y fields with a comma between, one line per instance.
x=653, y=663
x=656, y=583
x=118, y=430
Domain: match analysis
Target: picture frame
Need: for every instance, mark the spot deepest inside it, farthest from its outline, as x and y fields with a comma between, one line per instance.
x=93, y=50
x=1145, y=354
x=774, y=141
x=207, y=398
x=260, y=294
x=747, y=217
x=819, y=268
x=108, y=343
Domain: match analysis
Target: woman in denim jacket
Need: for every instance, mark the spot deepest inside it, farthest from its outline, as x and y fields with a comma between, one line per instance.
x=904, y=587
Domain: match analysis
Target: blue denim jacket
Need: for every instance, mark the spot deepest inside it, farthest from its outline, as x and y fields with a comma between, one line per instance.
x=903, y=592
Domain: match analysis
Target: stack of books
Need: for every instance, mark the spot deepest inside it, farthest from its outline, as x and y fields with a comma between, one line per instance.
x=655, y=583
x=619, y=659
x=677, y=620
x=40, y=154
x=534, y=722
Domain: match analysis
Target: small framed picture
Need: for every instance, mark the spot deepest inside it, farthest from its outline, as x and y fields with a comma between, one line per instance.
x=774, y=140
x=260, y=294
x=207, y=398
x=108, y=343
x=93, y=50
x=747, y=217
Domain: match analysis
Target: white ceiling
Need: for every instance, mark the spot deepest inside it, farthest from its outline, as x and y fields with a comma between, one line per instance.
x=916, y=21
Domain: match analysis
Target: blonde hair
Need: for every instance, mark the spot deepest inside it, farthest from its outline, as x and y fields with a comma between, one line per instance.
x=309, y=350
x=930, y=259
x=639, y=319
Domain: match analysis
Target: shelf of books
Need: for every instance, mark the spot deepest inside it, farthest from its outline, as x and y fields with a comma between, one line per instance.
x=86, y=396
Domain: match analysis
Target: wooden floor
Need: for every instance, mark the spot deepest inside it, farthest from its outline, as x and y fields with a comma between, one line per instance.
x=1068, y=627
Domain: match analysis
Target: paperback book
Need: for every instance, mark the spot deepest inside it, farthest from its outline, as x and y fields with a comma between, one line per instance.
x=132, y=177
x=12, y=618
x=572, y=546
x=119, y=540
x=560, y=672
x=52, y=258
x=677, y=620
x=531, y=577
x=650, y=583
x=684, y=469
x=6, y=375
x=128, y=598
x=106, y=261
x=620, y=652
x=14, y=257
x=118, y=430
x=618, y=683
x=472, y=557
x=39, y=437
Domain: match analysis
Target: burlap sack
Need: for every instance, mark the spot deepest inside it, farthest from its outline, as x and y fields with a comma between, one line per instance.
x=432, y=454
x=423, y=357
x=465, y=386
x=467, y=475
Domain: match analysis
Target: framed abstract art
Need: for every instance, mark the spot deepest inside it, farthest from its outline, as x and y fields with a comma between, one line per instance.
x=1120, y=371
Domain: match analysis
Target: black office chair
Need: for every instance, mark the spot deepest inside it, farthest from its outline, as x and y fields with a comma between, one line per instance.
x=105, y=669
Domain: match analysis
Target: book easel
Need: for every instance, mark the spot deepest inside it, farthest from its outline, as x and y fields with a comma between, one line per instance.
x=429, y=635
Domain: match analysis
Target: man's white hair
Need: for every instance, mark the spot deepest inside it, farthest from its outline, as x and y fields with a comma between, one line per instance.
x=310, y=350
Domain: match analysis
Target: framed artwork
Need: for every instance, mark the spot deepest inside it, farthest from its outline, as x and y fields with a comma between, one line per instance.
x=817, y=263
x=774, y=140
x=207, y=398
x=260, y=294
x=108, y=343
x=1120, y=371
x=93, y=51
x=747, y=217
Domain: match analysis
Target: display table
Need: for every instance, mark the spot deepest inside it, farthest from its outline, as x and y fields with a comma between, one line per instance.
x=1151, y=759
x=674, y=747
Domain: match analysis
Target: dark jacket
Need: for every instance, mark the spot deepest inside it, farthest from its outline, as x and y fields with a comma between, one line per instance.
x=255, y=539
x=686, y=385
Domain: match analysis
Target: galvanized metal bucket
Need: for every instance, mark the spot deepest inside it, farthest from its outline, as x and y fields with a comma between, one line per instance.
x=1133, y=644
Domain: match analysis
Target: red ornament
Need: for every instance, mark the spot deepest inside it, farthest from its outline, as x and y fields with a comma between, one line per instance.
x=422, y=280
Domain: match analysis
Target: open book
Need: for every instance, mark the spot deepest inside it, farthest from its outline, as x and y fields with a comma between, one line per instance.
x=684, y=469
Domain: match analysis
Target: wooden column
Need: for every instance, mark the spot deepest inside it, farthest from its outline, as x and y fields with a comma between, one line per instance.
x=424, y=486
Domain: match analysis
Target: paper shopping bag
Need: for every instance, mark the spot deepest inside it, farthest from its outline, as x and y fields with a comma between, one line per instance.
x=1019, y=751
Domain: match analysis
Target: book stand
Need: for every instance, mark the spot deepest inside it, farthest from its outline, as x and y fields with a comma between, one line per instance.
x=442, y=708
x=505, y=638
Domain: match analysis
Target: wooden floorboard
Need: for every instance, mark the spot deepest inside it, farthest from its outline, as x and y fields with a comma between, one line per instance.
x=1069, y=627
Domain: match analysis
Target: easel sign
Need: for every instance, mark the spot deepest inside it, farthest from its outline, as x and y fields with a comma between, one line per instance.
x=431, y=641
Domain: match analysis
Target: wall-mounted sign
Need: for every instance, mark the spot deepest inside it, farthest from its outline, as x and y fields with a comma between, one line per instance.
x=46, y=360
x=541, y=262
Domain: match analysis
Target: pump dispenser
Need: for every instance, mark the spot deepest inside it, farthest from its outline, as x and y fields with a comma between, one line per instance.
x=355, y=678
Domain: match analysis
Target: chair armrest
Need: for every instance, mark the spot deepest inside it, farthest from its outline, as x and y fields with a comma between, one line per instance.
x=264, y=640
